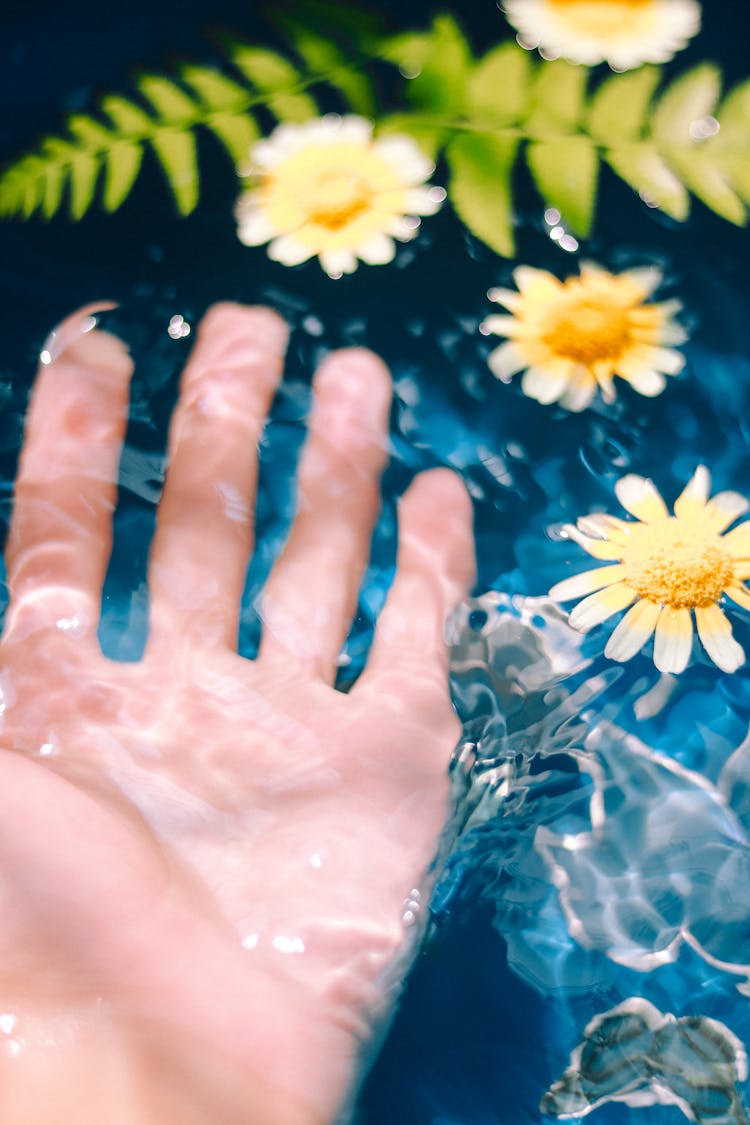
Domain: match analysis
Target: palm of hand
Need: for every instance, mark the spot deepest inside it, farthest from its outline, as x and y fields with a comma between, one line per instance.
x=197, y=806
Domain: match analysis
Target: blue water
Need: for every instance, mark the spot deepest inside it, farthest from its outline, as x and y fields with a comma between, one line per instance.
x=501, y=992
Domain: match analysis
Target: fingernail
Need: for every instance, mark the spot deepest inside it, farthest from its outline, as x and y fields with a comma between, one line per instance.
x=355, y=376
x=70, y=330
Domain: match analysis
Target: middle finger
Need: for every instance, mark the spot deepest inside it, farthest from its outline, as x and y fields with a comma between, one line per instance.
x=204, y=529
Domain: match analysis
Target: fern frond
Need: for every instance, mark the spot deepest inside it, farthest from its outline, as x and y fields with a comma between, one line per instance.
x=101, y=153
x=667, y=144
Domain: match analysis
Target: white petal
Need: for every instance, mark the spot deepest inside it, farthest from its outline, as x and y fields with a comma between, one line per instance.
x=254, y=226
x=739, y=594
x=647, y=278
x=581, y=389
x=647, y=382
x=593, y=269
x=724, y=508
x=586, y=583
x=632, y=633
x=603, y=526
x=412, y=165
x=716, y=637
x=692, y=499
x=666, y=360
x=377, y=250
x=507, y=297
x=527, y=277
x=402, y=227
x=674, y=640
x=639, y=497
x=737, y=541
x=545, y=384
x=505, y=361
x=598, y=548
x=423, y=200
x=500, y=325
x=336, y=262
x=289, y=251
x=353, y=129
x=672, y=333
x=601, y=605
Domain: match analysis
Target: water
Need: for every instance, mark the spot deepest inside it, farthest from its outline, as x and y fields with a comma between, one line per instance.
x=556, y=736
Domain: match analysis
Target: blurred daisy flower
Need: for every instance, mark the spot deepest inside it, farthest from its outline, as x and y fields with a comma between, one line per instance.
x=326, y=188
x=668, y=569
x=623, y=33
x=574, y=336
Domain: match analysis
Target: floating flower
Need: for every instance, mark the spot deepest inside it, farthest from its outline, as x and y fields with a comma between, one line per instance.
x=327, y=188
x=670, y=567
x=623, y=33
x=570, y=337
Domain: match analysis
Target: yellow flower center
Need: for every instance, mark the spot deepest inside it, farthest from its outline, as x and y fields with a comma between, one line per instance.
x=589, y=329
x=677, y=562
x=335, y=197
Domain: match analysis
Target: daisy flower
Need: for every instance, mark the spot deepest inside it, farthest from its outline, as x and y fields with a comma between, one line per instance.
x=326, y=188
x=623, y=33
x=571, y=337
x=668, y=569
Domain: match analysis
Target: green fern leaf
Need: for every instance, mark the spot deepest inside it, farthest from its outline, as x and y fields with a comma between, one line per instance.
x=701, y=173
x=323, y=57
x=644, y=169
x=11, y=189
x=170, y=102
x=123, y=163
x=558, y=97
x=54, y=185
x=214, y=89
x=89, y=132
x=734, y=115
x=566, y=172
x=690, y=98
x=274, y=75
x=436, y=63
x=731, y=145
x=84, y=171
x=177, y=155
x=129, y=119
x=498, y=87
x=695, y=160
x=618, y=111
x=33, y=186
x=481, y=169
x=237, y=132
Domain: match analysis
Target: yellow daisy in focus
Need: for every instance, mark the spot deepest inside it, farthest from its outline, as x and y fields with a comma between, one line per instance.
x=673, y=568
x=326, y=188
x=623, y=33
x=574, y=336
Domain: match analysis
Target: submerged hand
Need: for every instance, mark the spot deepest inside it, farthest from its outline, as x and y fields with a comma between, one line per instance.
x=205, y=860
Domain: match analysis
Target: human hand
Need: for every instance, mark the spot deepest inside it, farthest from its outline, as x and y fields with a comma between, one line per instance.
x=205, y=860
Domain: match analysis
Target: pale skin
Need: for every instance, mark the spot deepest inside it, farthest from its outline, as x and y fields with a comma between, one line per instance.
x=206, y=861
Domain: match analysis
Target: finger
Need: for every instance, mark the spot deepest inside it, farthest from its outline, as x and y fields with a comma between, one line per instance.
x=435, y=569
x=60, y=536
x=311, y=594
x=205, y=521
